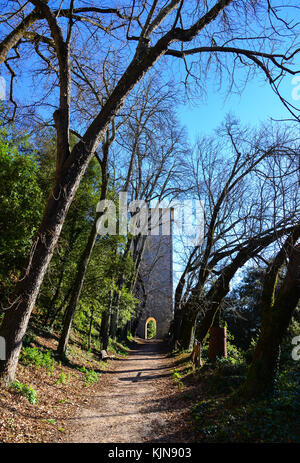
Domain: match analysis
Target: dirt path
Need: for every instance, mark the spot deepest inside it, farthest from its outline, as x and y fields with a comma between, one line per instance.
x=137, y=401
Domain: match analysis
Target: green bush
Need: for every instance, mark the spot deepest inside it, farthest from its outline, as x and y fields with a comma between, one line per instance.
x=274, y=419
x=25, y=390
x=90, y=376
x=34, y=356
x=234, y=354
x=250, y=351
x=227, y=373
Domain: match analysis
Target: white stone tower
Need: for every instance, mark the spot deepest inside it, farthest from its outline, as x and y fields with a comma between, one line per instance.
x=156, y=271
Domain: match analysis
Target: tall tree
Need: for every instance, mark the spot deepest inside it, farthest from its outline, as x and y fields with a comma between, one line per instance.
x=246, y=209
x=277, y=310
x=158, y=26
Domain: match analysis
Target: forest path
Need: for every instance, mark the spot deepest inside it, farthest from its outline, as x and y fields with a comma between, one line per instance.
x=137, y=401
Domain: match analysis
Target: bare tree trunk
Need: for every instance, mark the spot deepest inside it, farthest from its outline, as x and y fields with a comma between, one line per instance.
x=115, y=315
x=276, y=317
x=187, y=333
x=90, y=329
x=79, y=280
x=177, y=320
x=60, y=308
x=105, y=323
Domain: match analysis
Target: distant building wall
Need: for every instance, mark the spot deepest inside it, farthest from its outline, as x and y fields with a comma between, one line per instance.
x=156, y=271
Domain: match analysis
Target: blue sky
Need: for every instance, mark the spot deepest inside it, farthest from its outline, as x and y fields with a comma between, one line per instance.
x=257, y=103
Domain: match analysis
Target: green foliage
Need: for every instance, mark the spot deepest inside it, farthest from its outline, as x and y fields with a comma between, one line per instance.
x=49, y=421
x=20, y=205
x=63, y=378
x=226, y=373
x=151, y=329
x=251, y=349
x=235, y=355
x=130, y=337
x=25, y=390
x=90, y=376
x=223, y=418
x=29, y=338
x=34, y=356
x=117, y=348
x=226, y=378
x=177, y=376
x=27, y=171
x=128, y=303
x=274, y=420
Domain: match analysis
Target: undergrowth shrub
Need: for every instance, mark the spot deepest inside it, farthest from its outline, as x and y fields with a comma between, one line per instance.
x=273, y=420
x=63, y=378
x=117, y=348
x=90, y=376
x=177, y=376
x=38, y=358
x=25, y=390
x=225, y=374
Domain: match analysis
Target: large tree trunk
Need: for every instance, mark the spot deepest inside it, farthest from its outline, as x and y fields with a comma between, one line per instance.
x=78, y=284
x=123, y=332
x=261, y=379
x=90, y=329
x=115, y=315
x=177, y=320
x=105, y=323
x=17, y=316
x=187, y=331
x=176, y=328
x=263, y=371
x=185, y=319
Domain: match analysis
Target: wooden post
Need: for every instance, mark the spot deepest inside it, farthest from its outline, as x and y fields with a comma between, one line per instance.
x=196, y=354
x=217, y=343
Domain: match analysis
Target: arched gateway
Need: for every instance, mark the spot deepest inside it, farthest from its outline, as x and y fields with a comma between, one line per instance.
x=150, y=322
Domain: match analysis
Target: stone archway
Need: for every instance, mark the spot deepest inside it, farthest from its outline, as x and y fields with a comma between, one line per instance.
x=146, y=325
